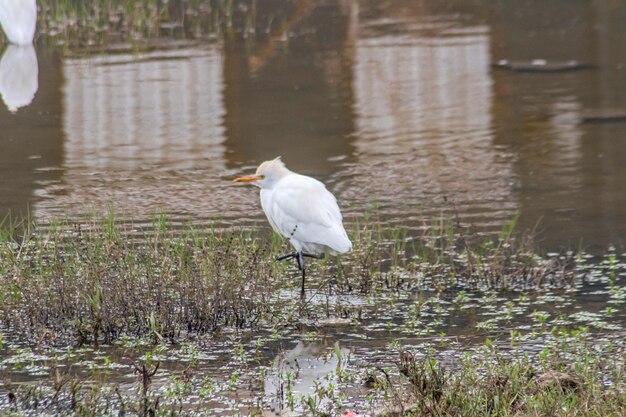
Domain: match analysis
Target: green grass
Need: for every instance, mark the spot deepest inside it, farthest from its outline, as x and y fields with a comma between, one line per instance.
x=73, y=24
x=578, y=376
x=96, y=280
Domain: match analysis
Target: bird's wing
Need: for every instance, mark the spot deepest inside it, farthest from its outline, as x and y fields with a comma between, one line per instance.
x=301, y=208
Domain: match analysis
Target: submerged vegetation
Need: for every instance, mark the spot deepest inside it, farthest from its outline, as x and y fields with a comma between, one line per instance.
x=174, y=318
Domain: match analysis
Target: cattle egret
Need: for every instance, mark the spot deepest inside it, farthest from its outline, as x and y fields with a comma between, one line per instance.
x=18, y=19
x=302, y=210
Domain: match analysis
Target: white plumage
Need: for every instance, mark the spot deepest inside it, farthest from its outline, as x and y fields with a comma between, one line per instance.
x=19, y=19
x=301, y=209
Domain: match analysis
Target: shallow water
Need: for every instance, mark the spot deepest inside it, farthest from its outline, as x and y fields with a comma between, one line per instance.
x=390, y=103
x=395, y=105
x=445, y=326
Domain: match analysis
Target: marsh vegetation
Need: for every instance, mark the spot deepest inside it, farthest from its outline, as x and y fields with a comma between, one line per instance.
x=177, y=319
x=95, y=281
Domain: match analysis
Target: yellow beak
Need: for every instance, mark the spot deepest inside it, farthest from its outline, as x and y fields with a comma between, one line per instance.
x=248, y=178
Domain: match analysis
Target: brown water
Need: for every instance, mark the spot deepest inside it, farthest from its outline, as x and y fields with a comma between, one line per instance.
x=394, y=104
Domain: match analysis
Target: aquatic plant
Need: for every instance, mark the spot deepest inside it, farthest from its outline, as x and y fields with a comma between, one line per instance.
x=576, y=377
x=579, y=374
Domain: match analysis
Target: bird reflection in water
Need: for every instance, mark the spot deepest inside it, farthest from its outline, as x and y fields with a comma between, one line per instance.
x=19, y=73
x=18, y=68
x=311, y=365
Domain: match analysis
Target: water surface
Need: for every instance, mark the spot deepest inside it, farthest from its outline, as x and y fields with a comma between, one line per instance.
x=390, y=103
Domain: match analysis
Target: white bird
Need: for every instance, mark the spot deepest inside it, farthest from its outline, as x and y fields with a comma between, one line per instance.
x=301, y=209
x=18, y=19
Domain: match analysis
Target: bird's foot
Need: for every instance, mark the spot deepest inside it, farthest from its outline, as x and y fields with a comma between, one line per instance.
x=299, y=258
x=301, y=265
x=287, y=256
x=312, y=255
x=295, y=255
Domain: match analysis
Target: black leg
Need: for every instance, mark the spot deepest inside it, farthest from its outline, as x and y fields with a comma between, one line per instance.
x=287, y=256
x=301, y=264
x=312, y=255
x=302, y=291
x=295, y=254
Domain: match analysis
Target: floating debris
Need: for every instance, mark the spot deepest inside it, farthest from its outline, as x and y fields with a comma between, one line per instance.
x=603, y=116
x=540, y=65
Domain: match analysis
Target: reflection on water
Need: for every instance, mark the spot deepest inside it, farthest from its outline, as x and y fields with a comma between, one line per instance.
x=306, y=368
x=395, y=103
x=292, y=95
x=136, y=129
x=162, y=109
x=19, y=73
x=422, y=104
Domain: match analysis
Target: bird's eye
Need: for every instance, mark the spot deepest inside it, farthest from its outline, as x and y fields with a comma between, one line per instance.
x=262, y=177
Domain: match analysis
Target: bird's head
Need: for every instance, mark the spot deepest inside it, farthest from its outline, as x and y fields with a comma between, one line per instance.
x=266, y=174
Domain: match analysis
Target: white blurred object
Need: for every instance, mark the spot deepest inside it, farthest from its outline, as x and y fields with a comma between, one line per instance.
x=18, y=19
x=19, y=73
